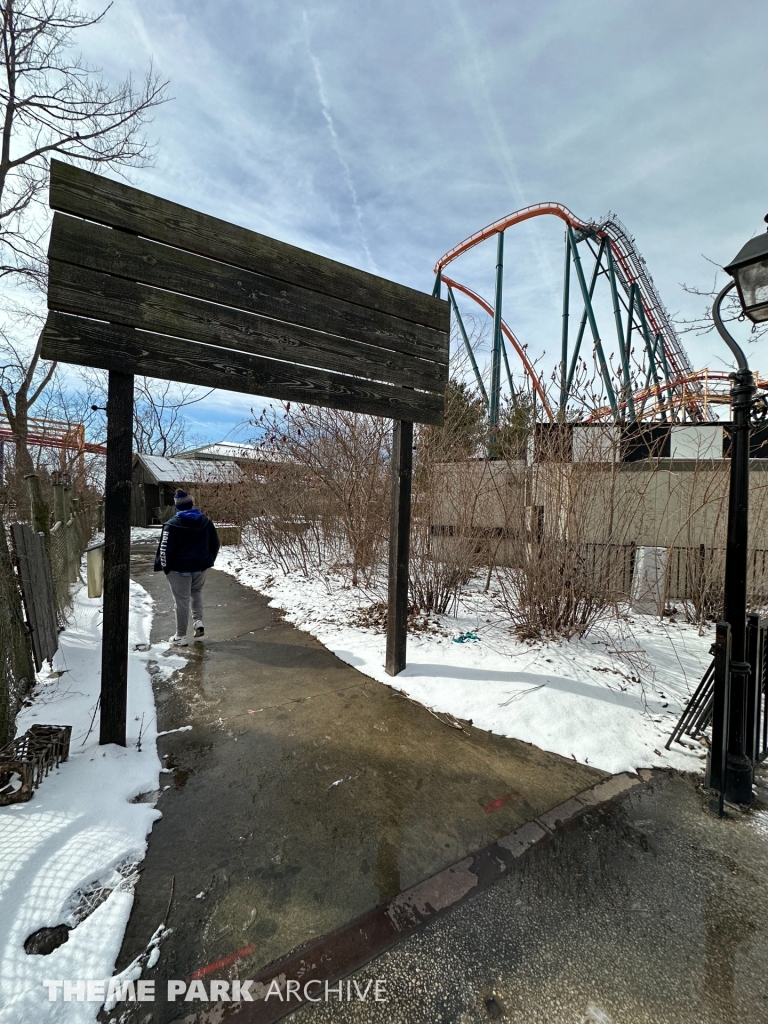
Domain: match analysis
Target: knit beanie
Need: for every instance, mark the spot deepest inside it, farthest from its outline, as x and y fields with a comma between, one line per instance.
x=183, y=501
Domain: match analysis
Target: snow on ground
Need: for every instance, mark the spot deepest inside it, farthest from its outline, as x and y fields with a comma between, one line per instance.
x=609, y=700
x=81, y=834
x=145, y=534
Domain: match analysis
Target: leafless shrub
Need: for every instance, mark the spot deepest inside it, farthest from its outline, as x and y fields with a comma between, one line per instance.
x=570, y=529
x=327, y=505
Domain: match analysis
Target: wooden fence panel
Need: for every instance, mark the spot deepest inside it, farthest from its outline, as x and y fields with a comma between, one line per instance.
x=37, y=591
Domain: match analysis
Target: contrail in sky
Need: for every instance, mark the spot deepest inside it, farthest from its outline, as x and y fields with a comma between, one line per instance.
x=325, y=106
x=474, y=72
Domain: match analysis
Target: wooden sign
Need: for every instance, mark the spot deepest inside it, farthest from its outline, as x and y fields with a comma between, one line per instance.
x=157, y=289
x=138, y=284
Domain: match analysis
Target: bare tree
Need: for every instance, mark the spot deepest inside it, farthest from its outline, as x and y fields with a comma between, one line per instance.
x=159, y=424
x=53, y=103
x=23, y=379
x=730, y=312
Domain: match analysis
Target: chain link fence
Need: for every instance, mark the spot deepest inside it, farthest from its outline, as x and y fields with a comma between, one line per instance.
x=66, y=543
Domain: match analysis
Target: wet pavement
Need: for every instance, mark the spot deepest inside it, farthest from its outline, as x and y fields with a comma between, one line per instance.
x=649, y=912
x=305, y=793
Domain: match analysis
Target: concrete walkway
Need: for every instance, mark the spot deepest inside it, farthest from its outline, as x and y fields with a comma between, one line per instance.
x=305, y=793
x=651, y=912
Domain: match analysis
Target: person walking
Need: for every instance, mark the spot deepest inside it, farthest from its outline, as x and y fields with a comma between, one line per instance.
x=187, y=550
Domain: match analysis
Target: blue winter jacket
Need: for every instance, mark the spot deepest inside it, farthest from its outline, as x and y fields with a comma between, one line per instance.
x=188, y=543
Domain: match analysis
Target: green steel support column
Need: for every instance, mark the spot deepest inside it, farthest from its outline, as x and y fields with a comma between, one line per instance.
x=566, y=307
x=628, y=341
x=593, y=325
x=493, y=411
x=649, y=349
x=437, y=290
x=623, y=346
x=468, y=347
x=659, y=347
x=583, y=324
x=506, y=364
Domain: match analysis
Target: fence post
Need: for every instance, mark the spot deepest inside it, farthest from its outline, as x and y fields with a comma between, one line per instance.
x=58, y=501
x=721, y=700
x=399, y=545
x=15, y=645
x=753, y=688
x=40, y=515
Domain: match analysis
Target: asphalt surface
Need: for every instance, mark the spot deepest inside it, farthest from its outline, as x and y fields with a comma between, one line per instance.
x=651, y=912
x=305, y=793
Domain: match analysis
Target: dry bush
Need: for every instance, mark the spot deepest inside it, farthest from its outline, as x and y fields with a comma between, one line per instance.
x=445, y=502
x=329, y=504
x=566, y=556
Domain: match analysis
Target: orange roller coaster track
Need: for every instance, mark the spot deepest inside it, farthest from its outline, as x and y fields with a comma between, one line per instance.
x=638, y=310
x=57, y=434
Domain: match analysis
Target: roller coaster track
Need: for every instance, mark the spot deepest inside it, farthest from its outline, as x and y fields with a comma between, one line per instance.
x=710, y=387
x=512, y=340
x=630, y=270
x=58, y=434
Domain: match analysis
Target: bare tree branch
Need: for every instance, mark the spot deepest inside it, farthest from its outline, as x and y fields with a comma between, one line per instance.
x=52, y=102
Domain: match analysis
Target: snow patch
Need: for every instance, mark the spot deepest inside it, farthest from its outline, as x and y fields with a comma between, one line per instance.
x=69, y=855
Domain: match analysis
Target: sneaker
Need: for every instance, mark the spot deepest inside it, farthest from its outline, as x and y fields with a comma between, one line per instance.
x=199, y=627
x=178, y=641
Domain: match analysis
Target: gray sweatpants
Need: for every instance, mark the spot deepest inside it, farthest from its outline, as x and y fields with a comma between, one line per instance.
x=183, y=589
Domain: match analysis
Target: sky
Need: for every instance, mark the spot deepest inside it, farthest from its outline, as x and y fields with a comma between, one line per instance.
x=383, y=134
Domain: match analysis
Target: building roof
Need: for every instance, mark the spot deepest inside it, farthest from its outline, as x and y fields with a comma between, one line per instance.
x=221, y=450
x=229, y=451
x=190, y=471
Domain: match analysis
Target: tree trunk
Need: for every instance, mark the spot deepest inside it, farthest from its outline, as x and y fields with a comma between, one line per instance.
x=19, y=424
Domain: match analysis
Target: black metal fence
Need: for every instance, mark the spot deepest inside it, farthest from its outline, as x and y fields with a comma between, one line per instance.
x=706, y=709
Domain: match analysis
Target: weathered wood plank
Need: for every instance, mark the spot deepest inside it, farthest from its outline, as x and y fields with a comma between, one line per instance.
x=110, y=347
x=18, y=536
x=37, y=591
x=84, y=194
x=151, y=263
x=45, y=595
x=73, y=289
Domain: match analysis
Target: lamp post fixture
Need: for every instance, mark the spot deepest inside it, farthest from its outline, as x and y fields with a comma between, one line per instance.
x=749, y=271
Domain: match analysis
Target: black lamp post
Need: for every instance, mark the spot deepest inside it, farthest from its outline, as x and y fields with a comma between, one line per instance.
x=750, y=276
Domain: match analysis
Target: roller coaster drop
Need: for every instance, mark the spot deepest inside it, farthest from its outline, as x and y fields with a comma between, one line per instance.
x=673, y=391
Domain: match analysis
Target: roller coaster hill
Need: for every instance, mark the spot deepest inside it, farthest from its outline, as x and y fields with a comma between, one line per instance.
x=645, y=375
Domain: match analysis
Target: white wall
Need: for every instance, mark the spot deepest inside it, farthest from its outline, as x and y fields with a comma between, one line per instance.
x=697, y=441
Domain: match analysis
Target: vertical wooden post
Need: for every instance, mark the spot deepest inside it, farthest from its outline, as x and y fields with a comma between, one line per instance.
x=399, y=538
x=117, y=559
x=58, y=499
x=40, y=515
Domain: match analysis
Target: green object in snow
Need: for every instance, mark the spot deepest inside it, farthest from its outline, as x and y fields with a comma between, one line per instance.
x=466, y=638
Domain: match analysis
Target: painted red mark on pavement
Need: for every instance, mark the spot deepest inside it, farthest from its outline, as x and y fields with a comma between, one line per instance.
x=494, y=805
x=225, y=961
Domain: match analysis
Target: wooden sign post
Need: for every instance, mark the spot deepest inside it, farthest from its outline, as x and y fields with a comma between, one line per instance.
x=117, y=558
x=140, y=285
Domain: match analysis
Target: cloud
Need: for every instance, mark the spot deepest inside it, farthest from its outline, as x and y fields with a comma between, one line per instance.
x=441, y=120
